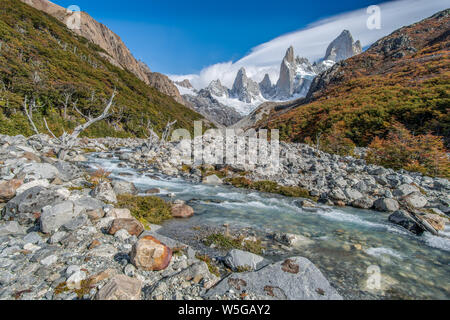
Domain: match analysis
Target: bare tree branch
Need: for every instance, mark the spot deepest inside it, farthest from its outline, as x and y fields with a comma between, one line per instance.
x=167, y=131
x=50, y=131
x=29, y=114
x=69, y=140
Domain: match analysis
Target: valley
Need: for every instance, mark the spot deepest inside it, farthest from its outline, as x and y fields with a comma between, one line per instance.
x=330, y=182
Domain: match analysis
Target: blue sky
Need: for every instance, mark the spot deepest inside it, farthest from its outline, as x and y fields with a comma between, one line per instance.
x=183, y=37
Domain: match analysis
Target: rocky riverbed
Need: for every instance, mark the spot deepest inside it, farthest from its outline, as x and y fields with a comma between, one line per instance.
x=62, y=237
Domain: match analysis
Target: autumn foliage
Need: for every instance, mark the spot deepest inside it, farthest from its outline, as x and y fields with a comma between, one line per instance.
x=402, y=150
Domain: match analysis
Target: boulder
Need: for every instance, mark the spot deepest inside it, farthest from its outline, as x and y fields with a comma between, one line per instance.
x=182, y=211
x=212, y=180
x=39, y=171
x=134, y=227
x=68, y=171
x=436, y=221
x=363, y=203
x=353, y=194
x=291, y=279
x=119, y=214
x=153, y=191
x=415, y=200
x=405, y=189
x=77, y=223
x=404, y=219
x=124, y=187
x=8, y=189
x=121, y=287
x=11, y=228
x=150, y=254
x=238, y=259
x=104, y=192
x=386, y=205
x=35, y=183
x=54, y=217
x=307, y=204
x=32, y=201
x=338, y=194
x=292, y=240
x=93, y=207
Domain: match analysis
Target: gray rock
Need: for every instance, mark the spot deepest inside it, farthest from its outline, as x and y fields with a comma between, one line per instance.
x=238, y=259
x=363, y=203
x=40, y=171
x=58, y=237
x=68, y=171
x=404, y=190
x=92, y=206
x=212, y=180
x=33, y=238
x=11, y=228
x=54, y=217
x=121, y=287
x=292, y=279
x=32, y=201
x=386, y=205
x=76, y=223
x=338, y=194
x=441, y=184
x=404, y=219
x=292, y=240
x=124, y=187
x=104, y=192
x=415, y=200
x=353, y=194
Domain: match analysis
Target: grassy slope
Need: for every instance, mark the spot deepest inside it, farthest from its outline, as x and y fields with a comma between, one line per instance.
x=34, y=43
x=372, y=90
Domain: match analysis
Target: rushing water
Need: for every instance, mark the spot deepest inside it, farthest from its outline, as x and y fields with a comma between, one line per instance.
x=410, y=267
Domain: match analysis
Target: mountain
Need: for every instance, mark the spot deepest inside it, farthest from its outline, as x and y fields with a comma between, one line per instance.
x=343, y=47
x=41, y=59
x=208, y=106
x=115, y=51
x=402, y=78
x=296, y=76
x=244, y=89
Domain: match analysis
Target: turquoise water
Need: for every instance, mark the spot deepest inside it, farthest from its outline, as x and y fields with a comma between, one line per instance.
x=410, y=267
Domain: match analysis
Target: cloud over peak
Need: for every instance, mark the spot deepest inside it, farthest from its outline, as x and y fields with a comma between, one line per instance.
x=312, y=41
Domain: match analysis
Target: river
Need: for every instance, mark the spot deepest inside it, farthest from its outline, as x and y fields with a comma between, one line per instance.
x=407, y=266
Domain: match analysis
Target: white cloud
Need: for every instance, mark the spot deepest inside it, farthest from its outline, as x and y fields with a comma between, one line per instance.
x=312, y=41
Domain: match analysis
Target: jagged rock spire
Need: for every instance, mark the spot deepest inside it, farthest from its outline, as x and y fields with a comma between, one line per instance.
x=244, y=88
x=343, y=47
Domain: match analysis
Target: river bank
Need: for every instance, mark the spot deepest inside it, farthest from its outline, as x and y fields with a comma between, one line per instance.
x=334, y=239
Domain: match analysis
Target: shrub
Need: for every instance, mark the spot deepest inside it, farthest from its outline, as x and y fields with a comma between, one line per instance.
x=270, y=187
x=228, y=243
x=148, y=210
x=402, y=150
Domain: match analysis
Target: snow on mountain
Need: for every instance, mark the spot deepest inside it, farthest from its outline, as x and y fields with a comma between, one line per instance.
x=296, y=75
x=312, y=41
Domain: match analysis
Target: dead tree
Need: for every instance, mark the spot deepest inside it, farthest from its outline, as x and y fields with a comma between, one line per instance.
x=153, y=142
x=67, y=96
x=67, y=141
x=29, y=113
x=167, y=131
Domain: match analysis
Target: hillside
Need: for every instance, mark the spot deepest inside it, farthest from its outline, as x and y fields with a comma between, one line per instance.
x=403, y=79
x=99, y=34
x=44, y=61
